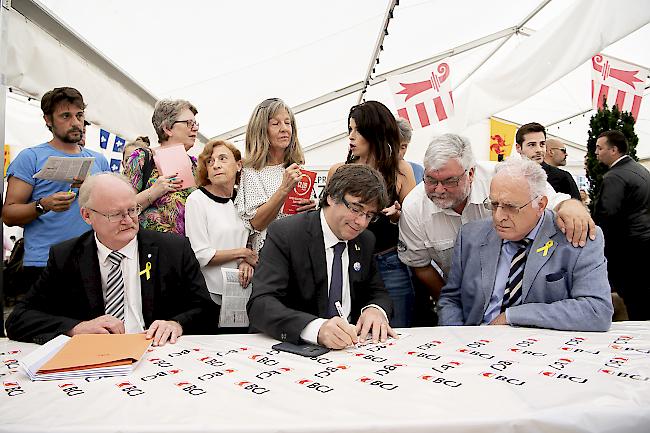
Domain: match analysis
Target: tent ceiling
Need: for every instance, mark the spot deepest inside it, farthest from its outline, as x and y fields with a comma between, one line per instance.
x=227, y=56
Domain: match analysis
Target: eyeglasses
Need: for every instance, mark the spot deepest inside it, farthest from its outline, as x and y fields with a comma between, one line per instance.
x=508, y=209
x=450, y=182
x=561, y=149
x=132, y=212
x=191, y=123
x=371, y=217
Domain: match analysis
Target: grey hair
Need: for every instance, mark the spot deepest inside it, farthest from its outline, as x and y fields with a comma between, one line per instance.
x=528, y=169
x=89, y=183
x=166, y=112
x=405, y=130
x=443, y=148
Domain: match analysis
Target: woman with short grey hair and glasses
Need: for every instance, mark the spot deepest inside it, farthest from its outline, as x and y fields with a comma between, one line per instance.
x=161, y=197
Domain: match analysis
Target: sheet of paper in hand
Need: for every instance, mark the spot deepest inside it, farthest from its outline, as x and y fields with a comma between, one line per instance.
x=174, y=159
x=62, y=169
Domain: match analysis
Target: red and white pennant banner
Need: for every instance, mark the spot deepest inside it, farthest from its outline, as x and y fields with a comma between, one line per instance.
x=423, y=97
x=617, y=82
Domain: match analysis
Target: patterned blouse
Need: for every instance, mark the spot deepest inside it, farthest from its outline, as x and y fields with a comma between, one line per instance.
x=167, y=213
x=255, y=189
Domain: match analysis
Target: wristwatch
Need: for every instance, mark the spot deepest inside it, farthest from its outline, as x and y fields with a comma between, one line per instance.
x=39, y=207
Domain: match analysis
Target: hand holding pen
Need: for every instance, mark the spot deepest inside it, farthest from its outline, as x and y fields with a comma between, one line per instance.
x=337, y=333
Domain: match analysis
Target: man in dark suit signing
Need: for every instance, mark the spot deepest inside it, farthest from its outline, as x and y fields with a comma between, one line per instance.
x=115, y=279
x=317, y=261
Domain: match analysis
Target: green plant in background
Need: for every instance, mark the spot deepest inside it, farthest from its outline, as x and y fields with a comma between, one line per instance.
x=605, y=120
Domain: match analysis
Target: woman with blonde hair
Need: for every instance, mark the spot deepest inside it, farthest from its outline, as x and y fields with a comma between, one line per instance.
x=215, y=230
x=271, y=167
x=161, y=197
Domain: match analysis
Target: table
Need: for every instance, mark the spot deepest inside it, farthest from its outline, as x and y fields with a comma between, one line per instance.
x=447, y=379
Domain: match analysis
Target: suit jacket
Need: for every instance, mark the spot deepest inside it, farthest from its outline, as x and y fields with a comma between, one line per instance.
x=561, y=180
x=565, y=289
x=622, y=209
x=70, y=290
x=290, y=282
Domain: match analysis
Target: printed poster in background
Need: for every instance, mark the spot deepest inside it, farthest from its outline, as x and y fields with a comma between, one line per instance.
x=502, y=139
x=423, y=97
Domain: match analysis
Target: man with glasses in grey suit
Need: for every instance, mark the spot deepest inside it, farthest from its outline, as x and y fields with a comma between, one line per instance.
x=519, y=269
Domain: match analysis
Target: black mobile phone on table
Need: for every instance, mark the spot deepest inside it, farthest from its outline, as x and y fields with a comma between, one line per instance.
x=306, y=349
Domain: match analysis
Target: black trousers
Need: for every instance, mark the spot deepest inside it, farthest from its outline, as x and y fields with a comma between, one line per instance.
x=627, y=267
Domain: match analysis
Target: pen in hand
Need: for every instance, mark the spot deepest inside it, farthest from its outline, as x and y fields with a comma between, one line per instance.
x=339, y=309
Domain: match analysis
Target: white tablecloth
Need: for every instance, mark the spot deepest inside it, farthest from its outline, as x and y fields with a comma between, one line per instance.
x=462, y=379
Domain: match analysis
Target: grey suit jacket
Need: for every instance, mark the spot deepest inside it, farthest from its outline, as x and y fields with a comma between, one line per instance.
x=565, y=289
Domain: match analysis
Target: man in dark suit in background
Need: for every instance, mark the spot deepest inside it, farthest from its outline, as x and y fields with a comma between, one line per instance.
x=318, y=262
x=531, y=143
x=622, y=210
x=115, y=279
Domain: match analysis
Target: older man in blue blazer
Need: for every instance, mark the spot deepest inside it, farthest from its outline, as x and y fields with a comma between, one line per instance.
x=519, y=269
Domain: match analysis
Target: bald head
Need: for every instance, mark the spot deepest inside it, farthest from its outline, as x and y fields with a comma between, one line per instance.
x=107, y=202
x=555, y=152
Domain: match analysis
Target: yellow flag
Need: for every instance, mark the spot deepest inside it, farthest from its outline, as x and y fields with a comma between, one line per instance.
x=7, y=158
x=502, y=138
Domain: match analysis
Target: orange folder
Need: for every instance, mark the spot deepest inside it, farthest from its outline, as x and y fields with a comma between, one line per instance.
x=87, y=351
x=174, y=159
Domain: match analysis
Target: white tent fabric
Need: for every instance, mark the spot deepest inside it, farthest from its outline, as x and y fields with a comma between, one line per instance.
x=226, y=57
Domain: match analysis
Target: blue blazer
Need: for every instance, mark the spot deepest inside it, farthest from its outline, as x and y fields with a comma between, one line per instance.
x=566, y=289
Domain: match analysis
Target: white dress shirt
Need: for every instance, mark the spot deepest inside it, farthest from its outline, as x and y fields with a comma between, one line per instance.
x=133, y=319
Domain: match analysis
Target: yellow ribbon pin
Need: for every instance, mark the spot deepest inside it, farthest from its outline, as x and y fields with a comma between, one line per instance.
x=545, y=248
x=147, y=270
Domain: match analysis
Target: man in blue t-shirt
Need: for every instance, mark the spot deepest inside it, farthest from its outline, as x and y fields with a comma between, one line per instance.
x=48, y=210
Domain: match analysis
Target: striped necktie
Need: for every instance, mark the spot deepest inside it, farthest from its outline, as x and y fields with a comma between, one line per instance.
x=115, y=287
x=516, y=275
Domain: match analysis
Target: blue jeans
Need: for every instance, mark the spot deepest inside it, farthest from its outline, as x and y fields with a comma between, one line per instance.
x=397, y=279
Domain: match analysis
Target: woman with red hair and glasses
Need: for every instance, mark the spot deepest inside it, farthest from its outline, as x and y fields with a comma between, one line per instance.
x=271, y=168
x=374, y=141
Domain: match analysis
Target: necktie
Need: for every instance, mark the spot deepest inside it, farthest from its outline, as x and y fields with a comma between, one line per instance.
x=516, y=275
x=336, y=282
x=115, y=287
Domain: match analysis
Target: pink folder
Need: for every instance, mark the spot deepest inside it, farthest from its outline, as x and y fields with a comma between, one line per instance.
x=174, y=159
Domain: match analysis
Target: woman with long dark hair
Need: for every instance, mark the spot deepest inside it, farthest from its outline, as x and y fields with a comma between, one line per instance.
x=374, y=141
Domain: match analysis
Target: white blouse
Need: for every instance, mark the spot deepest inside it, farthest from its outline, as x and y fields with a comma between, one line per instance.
x=210, y=226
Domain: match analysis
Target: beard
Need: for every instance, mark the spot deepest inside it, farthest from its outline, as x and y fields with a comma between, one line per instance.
x=448, y=200
x=72, y=135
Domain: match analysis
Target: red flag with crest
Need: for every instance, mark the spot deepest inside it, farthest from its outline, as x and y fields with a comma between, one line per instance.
x=618, y=82
x=423, y=97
